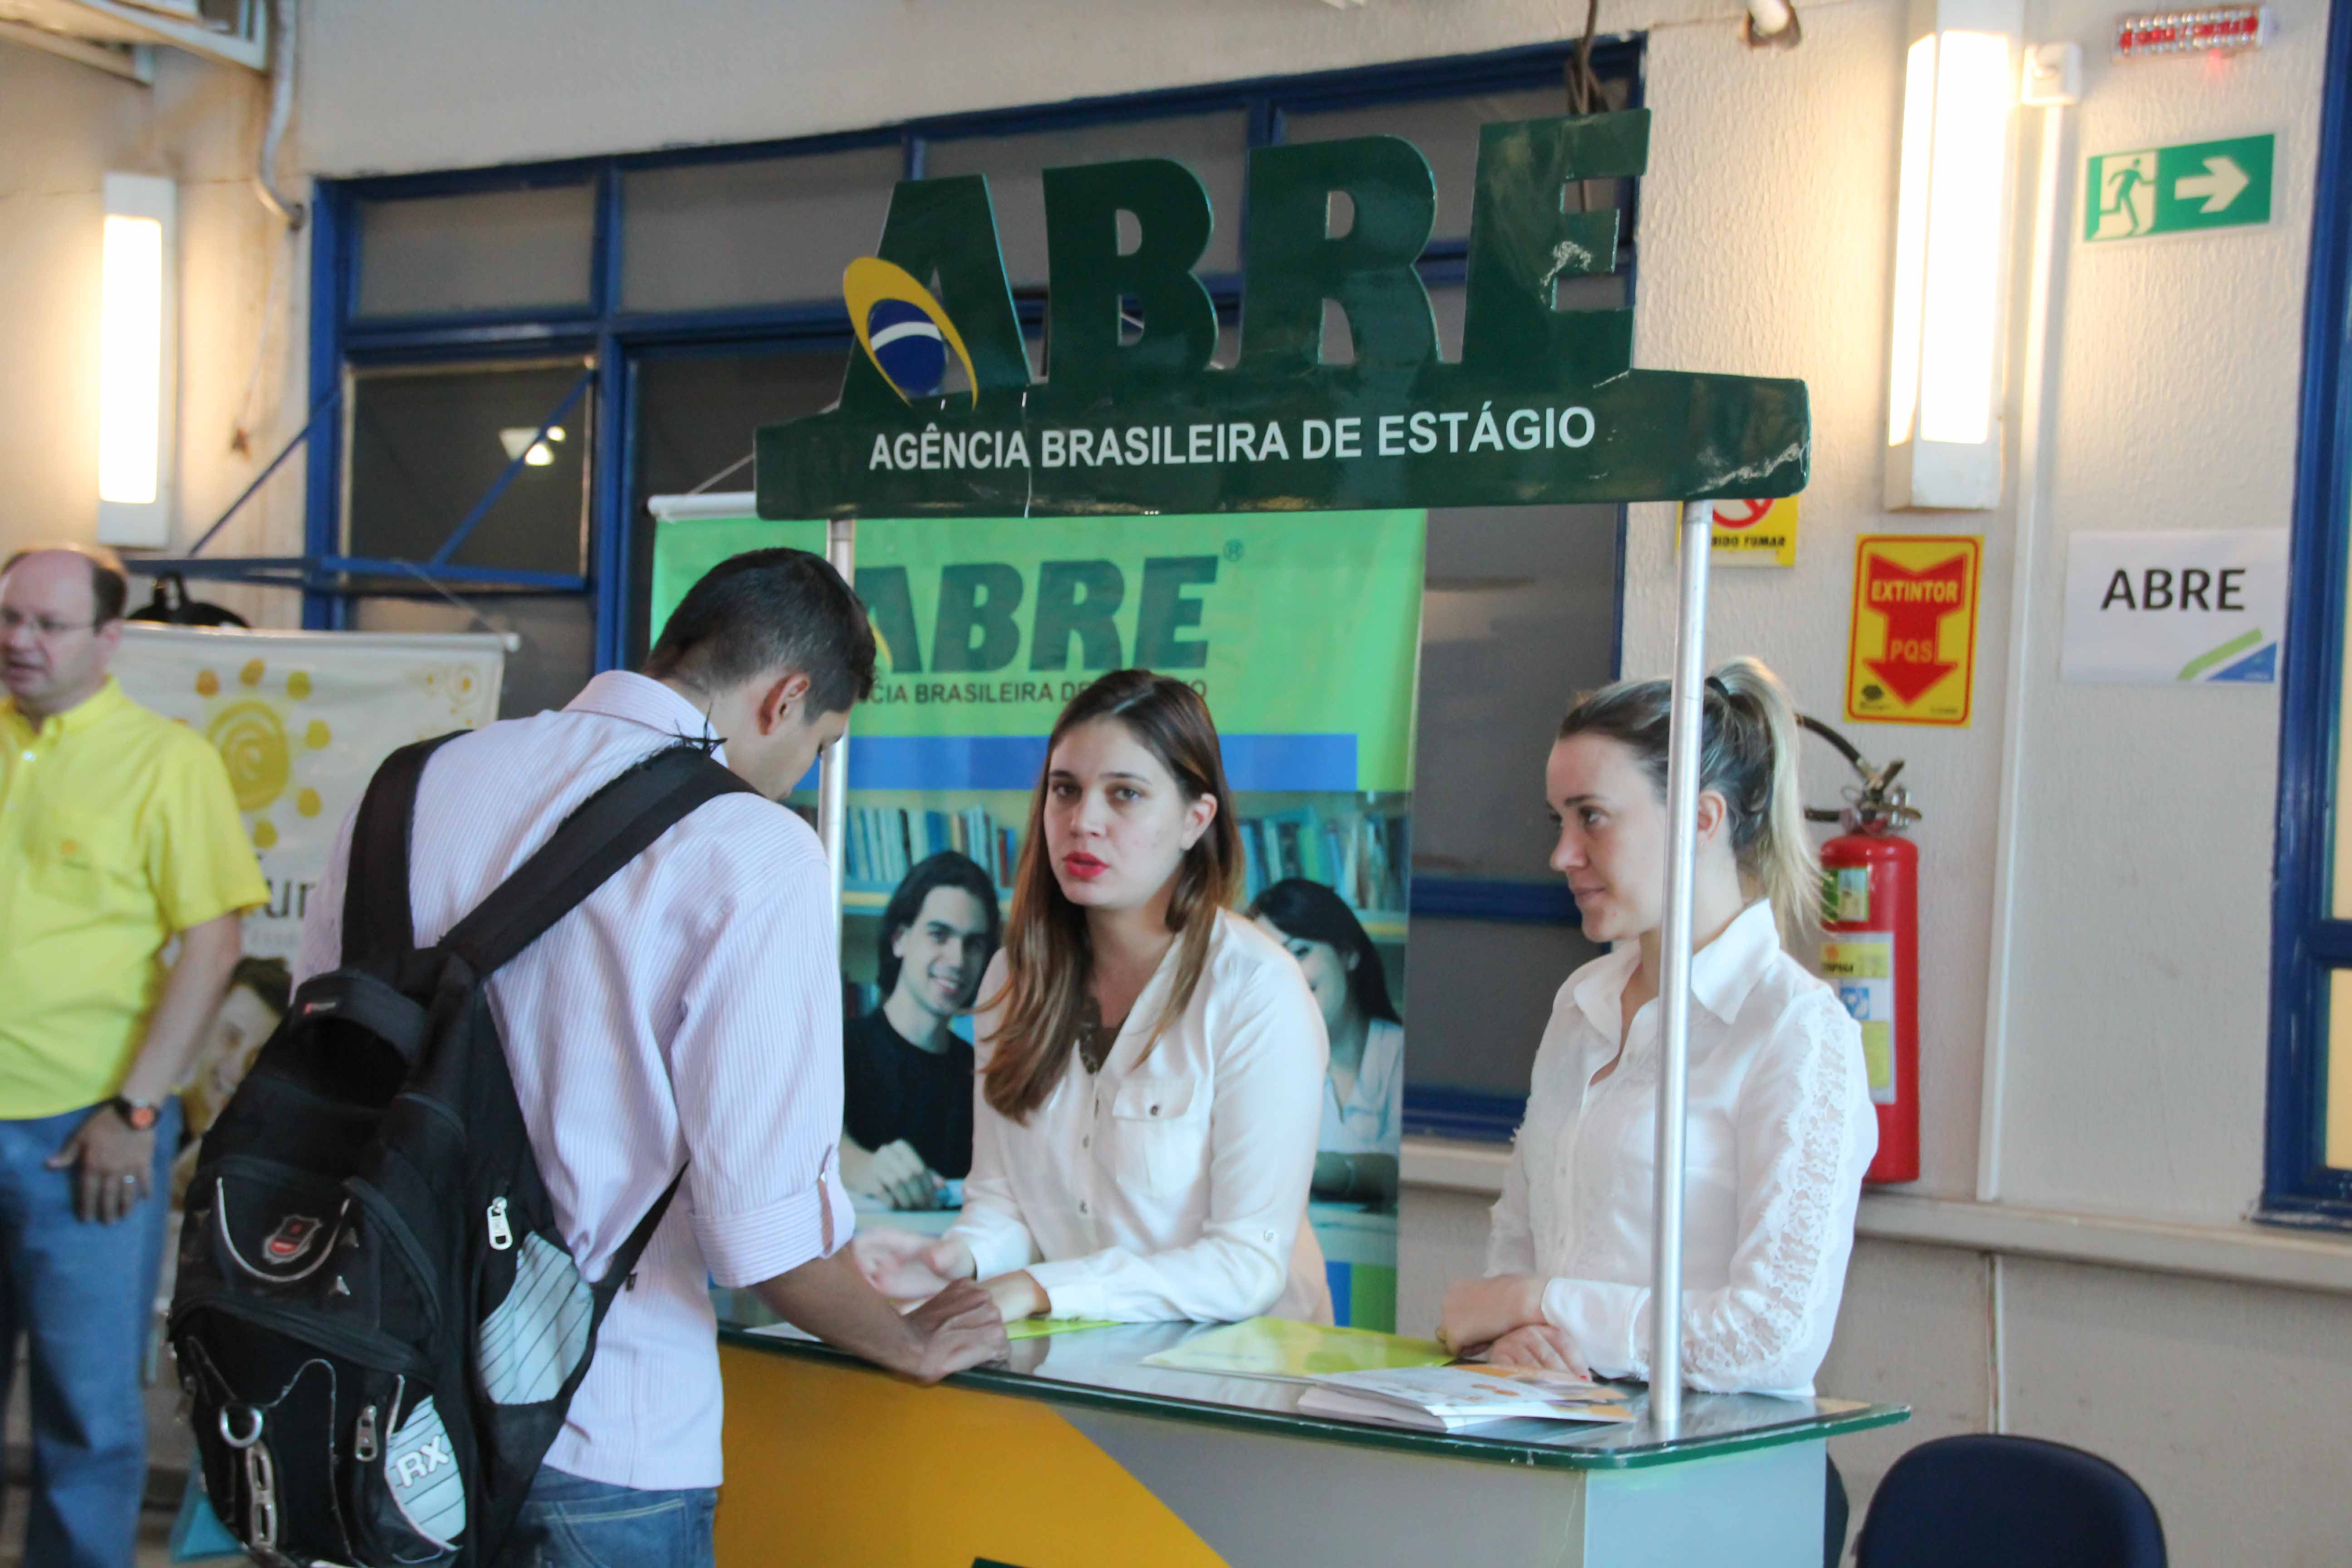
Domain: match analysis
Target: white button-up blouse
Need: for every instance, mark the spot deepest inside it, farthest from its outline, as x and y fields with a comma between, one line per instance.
x=1781, y=1129
x=1171, y=1186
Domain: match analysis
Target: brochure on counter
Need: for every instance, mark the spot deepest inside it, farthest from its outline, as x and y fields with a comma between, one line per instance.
x=1296, y=1353
x=1448, y=1398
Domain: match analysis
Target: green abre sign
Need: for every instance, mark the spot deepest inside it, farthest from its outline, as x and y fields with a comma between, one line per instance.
x=1544, y=406
x=986, y=627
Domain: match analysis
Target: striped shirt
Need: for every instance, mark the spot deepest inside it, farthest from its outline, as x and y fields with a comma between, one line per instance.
x=688, y=1013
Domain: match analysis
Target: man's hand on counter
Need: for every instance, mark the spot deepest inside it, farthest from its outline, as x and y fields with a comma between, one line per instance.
x=957, y=1327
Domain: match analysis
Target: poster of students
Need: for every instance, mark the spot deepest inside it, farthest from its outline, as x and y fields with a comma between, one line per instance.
x=1302, y=632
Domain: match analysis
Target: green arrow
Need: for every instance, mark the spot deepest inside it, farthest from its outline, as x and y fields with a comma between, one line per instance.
x=2222, y=183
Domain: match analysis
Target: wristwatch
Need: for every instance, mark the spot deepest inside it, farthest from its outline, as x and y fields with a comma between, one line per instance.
x=137, y=1117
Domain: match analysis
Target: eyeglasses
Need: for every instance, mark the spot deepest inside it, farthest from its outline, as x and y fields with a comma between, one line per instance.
x=11, y=621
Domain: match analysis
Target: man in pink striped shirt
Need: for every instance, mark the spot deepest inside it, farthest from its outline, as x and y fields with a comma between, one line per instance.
x=688, y=1013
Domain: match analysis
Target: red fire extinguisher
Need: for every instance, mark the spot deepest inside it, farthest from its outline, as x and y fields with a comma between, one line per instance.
x=1869, y=946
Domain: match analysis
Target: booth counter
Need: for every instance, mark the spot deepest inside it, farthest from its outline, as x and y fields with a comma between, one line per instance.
x=1078, y=1455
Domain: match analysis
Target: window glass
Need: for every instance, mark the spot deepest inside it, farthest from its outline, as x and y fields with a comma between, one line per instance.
x=1213, y=146
x=497, y=250
x=1518, y=614
x=427, y=444
x=1446, y=132
x=695, y=415
x=753, y=233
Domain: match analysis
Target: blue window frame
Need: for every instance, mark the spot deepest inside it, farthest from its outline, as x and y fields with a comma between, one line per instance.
x=2307, y=1165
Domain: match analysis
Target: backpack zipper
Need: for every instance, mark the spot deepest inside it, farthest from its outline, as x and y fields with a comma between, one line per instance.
x=501, y=1233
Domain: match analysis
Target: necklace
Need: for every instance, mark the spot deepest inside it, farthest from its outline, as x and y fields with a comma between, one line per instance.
x=1096, y=1038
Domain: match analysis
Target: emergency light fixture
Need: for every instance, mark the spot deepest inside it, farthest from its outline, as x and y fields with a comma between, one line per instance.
x=1951, y=254
x=137, y=355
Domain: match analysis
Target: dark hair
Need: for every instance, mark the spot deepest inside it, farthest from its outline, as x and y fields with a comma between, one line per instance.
x=769, y=610
x=945, y=869
x=266, y=978
x=109, y=590
x=1310, y=911
x=1748, y=754
x=1049, y=958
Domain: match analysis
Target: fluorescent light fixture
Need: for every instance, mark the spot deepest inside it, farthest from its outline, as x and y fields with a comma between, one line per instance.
x=516, y=440
x=1951, y=249
x=137, y=357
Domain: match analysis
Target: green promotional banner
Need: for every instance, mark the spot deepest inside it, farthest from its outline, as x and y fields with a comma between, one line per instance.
x=1303, y=632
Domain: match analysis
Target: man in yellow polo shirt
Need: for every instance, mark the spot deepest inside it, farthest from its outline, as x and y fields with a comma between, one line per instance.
x=118, y=832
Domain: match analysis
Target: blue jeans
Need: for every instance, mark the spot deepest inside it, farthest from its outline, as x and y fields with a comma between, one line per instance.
x=84, y=1295
x=568, y=1522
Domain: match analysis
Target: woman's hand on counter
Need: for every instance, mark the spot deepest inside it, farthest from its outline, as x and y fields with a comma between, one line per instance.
x=908, y=1267
x=1480, y=1311
x=1539, y=1345
x=1018, y=1295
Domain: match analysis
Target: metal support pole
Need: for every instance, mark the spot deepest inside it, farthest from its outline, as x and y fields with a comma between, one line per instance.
x=833, y=770
x=1683, y=734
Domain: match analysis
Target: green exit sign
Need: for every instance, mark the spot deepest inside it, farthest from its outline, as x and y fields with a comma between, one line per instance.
x=2172, y=190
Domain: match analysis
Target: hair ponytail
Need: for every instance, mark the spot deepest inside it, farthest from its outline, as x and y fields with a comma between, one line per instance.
x=1775, y=851
x=1748, y=754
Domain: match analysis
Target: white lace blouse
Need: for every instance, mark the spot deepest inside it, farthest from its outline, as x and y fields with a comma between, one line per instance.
x=1781, y=1130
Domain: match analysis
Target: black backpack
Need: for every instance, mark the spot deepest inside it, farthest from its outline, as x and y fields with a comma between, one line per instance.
x=377, y=1322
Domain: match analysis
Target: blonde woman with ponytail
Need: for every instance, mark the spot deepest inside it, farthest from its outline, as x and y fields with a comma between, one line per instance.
x=1780, y=1125
x=1151, y=1064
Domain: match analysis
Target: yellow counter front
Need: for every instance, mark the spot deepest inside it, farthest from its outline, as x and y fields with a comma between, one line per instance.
x=1077, y=1456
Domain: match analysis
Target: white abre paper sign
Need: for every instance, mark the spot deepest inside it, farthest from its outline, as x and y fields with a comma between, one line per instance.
x=2175, y=608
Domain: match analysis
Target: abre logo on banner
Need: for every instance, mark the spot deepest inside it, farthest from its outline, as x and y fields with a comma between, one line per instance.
x=941, y=414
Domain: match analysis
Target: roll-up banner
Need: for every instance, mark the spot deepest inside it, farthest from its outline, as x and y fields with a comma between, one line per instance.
x=1302, y=631
x=300, y=719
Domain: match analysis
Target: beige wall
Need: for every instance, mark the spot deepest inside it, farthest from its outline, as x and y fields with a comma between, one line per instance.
x=63, y=126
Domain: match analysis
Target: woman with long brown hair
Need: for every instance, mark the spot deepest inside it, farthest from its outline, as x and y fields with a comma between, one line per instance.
x=1151, y=1064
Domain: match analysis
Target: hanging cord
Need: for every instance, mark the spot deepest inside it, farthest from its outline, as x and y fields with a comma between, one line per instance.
x=1585, y=94
x=732, y=468
x=240, y=435
x=513, y=638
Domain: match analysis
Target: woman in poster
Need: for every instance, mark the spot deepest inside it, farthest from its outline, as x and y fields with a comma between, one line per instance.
x=1781, y=1123
x=1363, y=1095
x=1151, y=1064
x=907, y=1077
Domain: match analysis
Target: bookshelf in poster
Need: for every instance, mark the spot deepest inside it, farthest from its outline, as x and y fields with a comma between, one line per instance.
x=1363, y=853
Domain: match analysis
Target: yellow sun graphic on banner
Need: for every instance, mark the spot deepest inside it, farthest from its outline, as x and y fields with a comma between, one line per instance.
x=255, y=729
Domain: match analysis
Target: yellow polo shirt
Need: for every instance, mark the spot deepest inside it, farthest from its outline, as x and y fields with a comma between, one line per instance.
x=117, y=830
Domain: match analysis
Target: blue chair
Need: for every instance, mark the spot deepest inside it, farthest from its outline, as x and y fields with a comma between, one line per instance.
x=2008, y=1503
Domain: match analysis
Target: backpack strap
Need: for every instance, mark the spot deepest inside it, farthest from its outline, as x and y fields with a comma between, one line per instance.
x=614, y=826
x=378, y=923
x=624, y=1257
